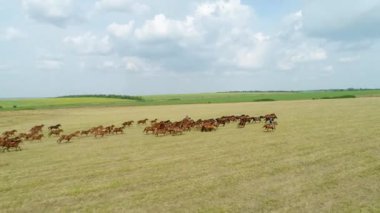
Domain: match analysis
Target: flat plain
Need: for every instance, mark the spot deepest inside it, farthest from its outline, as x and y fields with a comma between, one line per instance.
x=177, y=99
x=323, y=157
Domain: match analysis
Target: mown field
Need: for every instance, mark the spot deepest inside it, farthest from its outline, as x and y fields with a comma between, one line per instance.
x=323, y=157
x=233, y=97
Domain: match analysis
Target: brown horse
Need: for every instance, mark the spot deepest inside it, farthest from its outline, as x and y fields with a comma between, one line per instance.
x=37, y=128
x=100, y=133
x=242, y=123
x=175, y=131
x=118, y=130
x=160, y=131
x=85, y=132
x=148, y=129
x=54, y=127
x=12, y=143
x=208, y=128
x=127, y=123
x=37, y=137
x=109, y=129
x=269, y=127
x=66, y=138
x=55, y=132
x=75, y=134
x=9, y=133
x=142, y=121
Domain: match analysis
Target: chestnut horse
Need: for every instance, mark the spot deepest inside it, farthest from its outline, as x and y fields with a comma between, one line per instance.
x=54, y=127
x=142, y=121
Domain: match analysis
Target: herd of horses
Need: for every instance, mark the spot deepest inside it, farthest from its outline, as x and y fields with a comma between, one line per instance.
x=187, y=124
x=11, y=140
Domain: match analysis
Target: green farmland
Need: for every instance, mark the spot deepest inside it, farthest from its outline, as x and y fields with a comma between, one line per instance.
x=233, y=97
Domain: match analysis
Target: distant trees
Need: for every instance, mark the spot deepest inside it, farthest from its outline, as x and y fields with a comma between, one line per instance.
x=130, y=97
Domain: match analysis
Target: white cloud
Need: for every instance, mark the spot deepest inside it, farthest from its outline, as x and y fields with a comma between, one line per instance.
x=89, y=43
x=133, y=64
x=260, y=37
x=218, y=35
x=251, y=54
x=126, y=64
x=110, y=65
x=11, y=33
x=161, y=27
x=329, y=68
x=120, y=30
x=137, y=64
x=59, y=13
x=327, y=71
x=215, y=34
x=4, y=67
x=251, y=59
x=232, y=10
x=342, y=20
x=49, y=64
x=219, y=44
x=348, y=59
x=301, y=54
x=294, y=20
x=121, y=6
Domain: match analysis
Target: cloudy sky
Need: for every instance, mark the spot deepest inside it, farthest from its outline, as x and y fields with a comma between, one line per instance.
x=61, y=47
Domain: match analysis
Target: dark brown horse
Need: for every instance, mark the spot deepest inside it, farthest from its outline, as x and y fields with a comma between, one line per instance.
x=54, y=127
x=9, y=133
x=37, y=137
x=127, y=123
x=85, y=132
x=148, y=129
x=142, y=121
x=55, y=132
x=118, y=130
x=37, y=128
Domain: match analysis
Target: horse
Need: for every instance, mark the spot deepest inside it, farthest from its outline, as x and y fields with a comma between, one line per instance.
x=54, y=127
x=142, y=121
x=242, y=123
x=160, y=131
x=56, y=132
x=37, y=128
x=118, y=130
x=153, y=121
x=12, y=143
x=148, y=129
x=100, y=132
x=208, y=128
x=37, y=137
x=9, y=133
x=109, y=129
x=269, y=127
x=67, y=138
x=85, y=132
x=127, y=123
x=175, y=131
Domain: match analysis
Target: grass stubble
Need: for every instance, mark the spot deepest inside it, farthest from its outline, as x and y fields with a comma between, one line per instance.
x=324, y=157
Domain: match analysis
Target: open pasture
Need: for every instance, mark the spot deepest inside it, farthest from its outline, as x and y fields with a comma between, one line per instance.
x=176, y=99
x=323, y=157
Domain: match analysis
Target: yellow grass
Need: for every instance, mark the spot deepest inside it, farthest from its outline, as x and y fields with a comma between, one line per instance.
x=324, y=157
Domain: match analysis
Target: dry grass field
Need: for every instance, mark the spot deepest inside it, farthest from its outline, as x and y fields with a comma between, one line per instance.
x=323, y=157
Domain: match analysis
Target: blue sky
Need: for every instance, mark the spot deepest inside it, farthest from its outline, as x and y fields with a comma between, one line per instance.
x=52, y=48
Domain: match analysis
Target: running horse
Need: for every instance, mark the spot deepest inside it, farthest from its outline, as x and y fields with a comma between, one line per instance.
x=54, y=127
x=142, y=121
